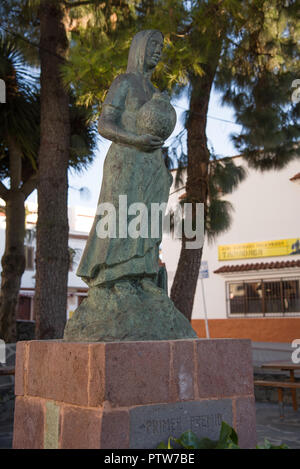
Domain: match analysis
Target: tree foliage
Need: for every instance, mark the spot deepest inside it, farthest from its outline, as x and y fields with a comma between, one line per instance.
x=19, y=163
x=19, y=113
x=247, y=50
x=255, y=74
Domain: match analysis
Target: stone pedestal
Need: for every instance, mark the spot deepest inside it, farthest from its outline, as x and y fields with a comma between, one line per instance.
x=131, y=394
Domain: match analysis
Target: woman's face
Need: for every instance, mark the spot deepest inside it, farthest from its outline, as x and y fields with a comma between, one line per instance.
x=153, y=50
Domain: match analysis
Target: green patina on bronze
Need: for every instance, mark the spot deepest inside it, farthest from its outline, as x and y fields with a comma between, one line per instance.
x=124, y=300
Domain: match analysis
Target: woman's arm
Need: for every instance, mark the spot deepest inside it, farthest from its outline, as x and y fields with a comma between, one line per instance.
x=110, y=128
x=109, y=122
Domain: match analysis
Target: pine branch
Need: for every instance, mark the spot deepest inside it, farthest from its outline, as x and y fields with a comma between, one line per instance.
x=78, y=4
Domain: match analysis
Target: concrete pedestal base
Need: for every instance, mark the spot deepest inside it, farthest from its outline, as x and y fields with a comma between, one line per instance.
x=131, y=394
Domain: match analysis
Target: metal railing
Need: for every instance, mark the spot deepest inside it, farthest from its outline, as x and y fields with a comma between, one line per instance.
x=279, y=297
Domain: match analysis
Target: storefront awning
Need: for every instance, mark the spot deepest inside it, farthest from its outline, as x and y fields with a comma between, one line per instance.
x=257, y=266
x=29, y=293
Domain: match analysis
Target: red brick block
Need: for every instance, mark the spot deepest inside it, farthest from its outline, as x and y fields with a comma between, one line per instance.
x=21, y=368
x=246, y=422
x=183, y=369
x=115, y=430
x=224, y=368
x=58, y=371
x=135, y=373
x=29, y=423
x=80, y=428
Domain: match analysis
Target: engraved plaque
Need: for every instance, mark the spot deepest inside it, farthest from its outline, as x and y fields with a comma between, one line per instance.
x=152, y=424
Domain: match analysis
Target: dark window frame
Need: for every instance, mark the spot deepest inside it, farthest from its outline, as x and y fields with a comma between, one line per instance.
x=283, y=301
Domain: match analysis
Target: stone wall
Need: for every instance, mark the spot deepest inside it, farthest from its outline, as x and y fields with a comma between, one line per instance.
x=131, y=394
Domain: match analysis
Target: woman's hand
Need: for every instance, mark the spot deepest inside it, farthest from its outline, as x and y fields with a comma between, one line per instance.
x=148, y=142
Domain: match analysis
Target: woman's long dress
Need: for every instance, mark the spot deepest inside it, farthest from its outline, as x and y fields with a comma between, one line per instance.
x=142, y=177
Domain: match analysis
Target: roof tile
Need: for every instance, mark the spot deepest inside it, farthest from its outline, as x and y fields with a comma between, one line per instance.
x=257, y=266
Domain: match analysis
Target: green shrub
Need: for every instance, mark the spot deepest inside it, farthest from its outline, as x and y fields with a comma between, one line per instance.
x=228, y=439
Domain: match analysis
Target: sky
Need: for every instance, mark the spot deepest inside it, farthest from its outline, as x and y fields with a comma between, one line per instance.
x=218, y=133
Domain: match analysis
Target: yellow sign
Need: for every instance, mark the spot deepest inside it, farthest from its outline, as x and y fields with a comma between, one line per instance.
x=71, y=314
x=281, y=247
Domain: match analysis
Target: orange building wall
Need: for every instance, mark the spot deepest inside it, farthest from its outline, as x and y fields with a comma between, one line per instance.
x=256, y=329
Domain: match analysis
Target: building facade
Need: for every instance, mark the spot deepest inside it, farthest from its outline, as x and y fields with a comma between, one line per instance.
x=253, y=287
x=80, y=222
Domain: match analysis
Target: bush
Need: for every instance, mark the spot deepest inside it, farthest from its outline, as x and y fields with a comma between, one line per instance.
x=228, y=439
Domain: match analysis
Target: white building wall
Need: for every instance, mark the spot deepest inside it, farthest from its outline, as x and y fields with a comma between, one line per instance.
x=266, y=207
x=80, y=221
x=78, y=245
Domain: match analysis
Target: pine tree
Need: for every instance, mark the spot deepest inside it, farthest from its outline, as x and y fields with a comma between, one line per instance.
x=19, y=143
x=56, y=22
x=257, y=80
x=53, y=22
x=249, y=51
x=246, y=49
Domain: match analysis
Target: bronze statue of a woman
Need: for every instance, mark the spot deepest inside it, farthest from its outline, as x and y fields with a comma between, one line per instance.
x=124, y=300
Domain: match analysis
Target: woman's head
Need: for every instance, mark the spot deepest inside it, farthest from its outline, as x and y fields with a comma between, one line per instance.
x=145, y=51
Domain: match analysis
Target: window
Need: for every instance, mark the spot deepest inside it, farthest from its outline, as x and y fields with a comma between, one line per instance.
x=29, y=258
x=265, y=297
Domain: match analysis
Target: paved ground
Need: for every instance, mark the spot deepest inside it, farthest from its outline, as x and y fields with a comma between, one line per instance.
x=269, y=426
x=6, y=437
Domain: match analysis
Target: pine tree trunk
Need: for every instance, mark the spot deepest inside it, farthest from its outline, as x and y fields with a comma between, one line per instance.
x=186, y=277
x=52, y=227
x=13, y=264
